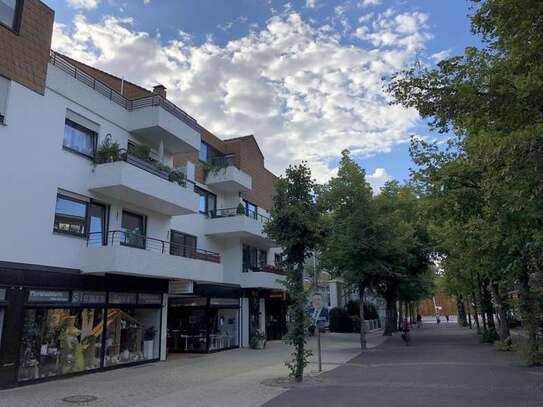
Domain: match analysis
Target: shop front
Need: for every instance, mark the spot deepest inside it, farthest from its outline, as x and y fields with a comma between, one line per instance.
x=57, y=324
x=266, y=313
x=208, y=320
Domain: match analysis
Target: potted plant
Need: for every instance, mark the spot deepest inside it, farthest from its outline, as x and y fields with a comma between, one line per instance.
x=149, y=342
x=108, y=151
x=141, y=151
x=240, y=209
x=259, y=340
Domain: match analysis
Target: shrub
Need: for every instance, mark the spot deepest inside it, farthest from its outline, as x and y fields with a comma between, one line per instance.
x=353, y=308
x=340, y=320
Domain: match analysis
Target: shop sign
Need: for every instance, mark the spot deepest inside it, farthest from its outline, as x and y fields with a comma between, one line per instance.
x=48, y=296
x=150, y=299
x=122, y=298
x=88, y=297
x=2, y=294
x=181, y=287
x=225, y=301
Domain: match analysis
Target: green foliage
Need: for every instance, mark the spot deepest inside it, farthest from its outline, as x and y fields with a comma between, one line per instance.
x=340, y=320
x=353, y=308
x=484, y=189
x=294, y=225
x=107, y=152
x=211, y=168
x=142, y=151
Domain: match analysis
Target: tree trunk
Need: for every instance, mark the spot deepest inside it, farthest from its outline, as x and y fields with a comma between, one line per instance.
x=476, y=314
x=461, y=311
x=481, y=303
x=361, y=291
x=529, y=320
x=390, y=320
x=502, y=312
x=299, y=324
x=467, y=307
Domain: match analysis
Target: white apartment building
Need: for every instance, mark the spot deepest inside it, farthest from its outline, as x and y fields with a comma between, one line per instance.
x=129, y=230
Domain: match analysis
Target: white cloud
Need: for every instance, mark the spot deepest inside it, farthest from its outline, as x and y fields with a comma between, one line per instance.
x=441, y=55
x=377, y=179
x=146, y=1
x=296, y=87
x=369, y=3
x=83, y=4
x=311, y=3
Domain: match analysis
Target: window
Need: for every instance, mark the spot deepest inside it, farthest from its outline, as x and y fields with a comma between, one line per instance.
x=133, y=228
x=262, y=258
x=4, y=89
x=9, y=13
x=70, y=216
x=203, y=152
x=208, y=201
x=277, y=259
x=182, y=244
x=79, y=139
x=97, y=223
x=251, y=209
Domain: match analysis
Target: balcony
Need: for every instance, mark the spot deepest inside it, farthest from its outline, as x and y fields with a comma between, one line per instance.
x=155, y=118
x=224, y=175
x=121, y=252
x=142, y=183
x=152, y=118
x=268, y=276
x=229, y=223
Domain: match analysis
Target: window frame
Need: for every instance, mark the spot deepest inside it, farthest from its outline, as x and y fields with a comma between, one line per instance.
x=207, y=193
x=143, y=234
x=86, y=217
x=185, y=246
x=17, y=18
x=82, y=129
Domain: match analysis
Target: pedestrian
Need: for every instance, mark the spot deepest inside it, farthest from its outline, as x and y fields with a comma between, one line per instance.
x=419, y=321
x=447, y=317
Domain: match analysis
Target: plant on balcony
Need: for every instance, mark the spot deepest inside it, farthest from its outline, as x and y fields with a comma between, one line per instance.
x=178, y=176
x=272, y=268
x=209, y=168
x=108, y=151
x=141, y=151
x=240, y=210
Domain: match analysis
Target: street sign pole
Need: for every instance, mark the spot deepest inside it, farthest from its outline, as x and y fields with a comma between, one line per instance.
x=319, y=343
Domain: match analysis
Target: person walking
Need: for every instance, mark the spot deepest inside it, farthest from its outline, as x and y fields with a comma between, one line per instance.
x=447, y=317
x=419, y=321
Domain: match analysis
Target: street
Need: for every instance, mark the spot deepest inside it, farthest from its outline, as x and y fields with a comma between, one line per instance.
x=442, y=366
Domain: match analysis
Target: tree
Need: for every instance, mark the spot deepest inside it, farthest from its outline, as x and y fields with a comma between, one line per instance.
x=294, y=225
x=489, y=103
x=353, y=246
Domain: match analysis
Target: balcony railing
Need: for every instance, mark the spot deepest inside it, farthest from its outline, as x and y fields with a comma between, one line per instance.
x=100, y=87
x=223, y=161
x=150, y=244
x=230, y=212
x=150, y=166
x=266, y=268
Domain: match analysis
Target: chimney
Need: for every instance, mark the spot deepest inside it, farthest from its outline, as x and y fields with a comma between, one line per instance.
x=160, y=90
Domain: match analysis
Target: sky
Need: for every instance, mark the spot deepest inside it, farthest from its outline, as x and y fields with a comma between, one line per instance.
x=305, y=77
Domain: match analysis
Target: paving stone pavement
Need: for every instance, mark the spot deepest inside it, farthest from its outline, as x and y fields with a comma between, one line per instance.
x=231, y=378
x=443, y=366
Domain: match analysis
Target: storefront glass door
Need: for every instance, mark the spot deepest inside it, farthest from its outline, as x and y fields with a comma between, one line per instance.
x=10, y=300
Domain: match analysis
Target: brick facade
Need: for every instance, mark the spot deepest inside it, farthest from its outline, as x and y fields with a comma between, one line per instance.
x=249, y=159
x=25, y=54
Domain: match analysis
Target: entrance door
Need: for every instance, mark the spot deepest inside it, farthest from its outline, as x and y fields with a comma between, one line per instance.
x=11, y=317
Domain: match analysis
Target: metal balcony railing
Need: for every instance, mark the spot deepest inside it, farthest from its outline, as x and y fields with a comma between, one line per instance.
x=223, y=160
x=152, y=167
x=150, y=244
x=153, y=100
x=230, y=212
x=265, y=268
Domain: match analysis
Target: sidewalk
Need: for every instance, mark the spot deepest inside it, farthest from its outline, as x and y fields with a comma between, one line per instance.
x=226, y=379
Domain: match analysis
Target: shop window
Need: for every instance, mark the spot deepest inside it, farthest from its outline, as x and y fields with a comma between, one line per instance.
x=224, y=328
x=132, y=335
x=10, y=11
x=70, y=215
x=60, y=341
x=187, y=328
x=133, y=228
x=79, y=139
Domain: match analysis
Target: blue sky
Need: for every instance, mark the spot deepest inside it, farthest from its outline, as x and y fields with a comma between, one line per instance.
x=303, y=76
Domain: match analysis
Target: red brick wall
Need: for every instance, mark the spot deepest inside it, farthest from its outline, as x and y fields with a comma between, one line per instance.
x=24, y=55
